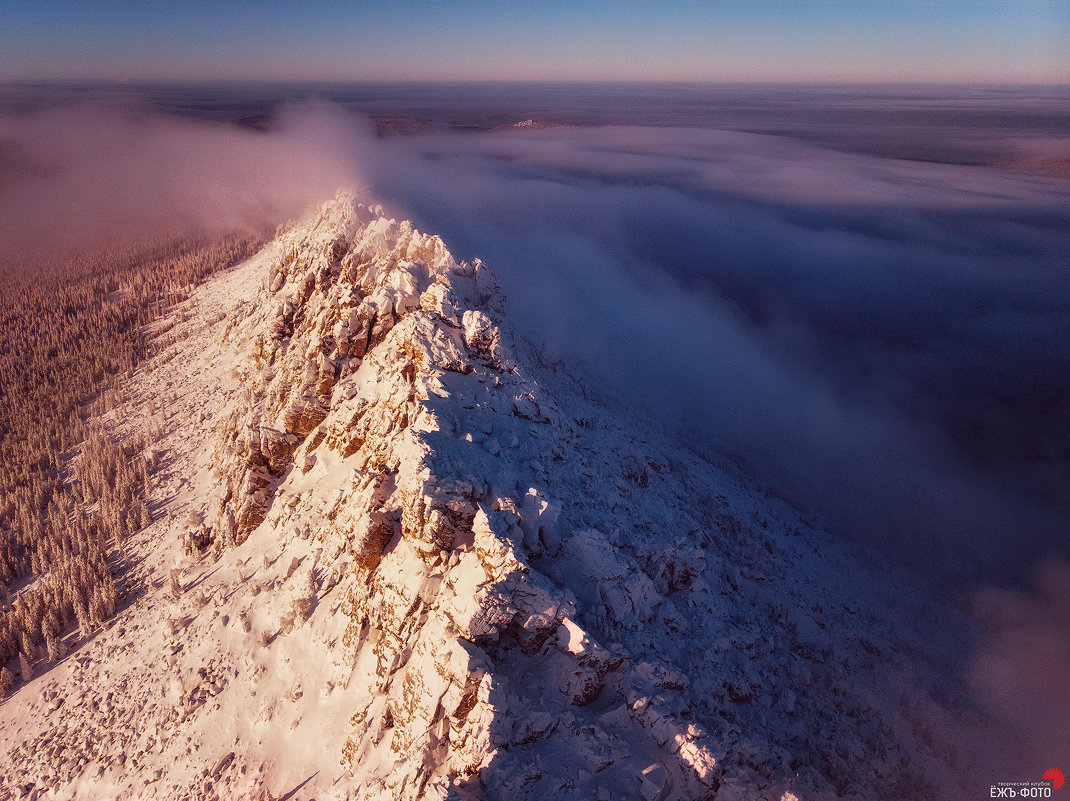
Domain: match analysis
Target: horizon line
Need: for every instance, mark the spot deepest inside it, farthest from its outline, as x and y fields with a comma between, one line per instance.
x=541, y=81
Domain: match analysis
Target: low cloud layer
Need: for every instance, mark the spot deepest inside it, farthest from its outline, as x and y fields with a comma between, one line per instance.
x=885, y=341
x=76, y=175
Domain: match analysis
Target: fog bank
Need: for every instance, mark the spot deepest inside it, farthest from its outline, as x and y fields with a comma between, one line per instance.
x=883, y=340
x=75, y=175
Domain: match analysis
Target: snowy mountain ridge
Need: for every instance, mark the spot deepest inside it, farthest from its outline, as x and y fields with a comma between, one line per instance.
x=403, y=559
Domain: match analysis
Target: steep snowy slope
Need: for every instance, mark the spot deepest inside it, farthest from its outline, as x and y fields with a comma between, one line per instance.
x=398, y=557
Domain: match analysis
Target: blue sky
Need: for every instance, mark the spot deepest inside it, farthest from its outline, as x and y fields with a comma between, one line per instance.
x=971, y=40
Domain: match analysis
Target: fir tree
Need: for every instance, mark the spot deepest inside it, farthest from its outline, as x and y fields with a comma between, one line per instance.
x=54, y=646
x=25, y=667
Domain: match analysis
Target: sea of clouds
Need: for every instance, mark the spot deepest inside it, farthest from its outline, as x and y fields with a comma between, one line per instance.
x=885, y=342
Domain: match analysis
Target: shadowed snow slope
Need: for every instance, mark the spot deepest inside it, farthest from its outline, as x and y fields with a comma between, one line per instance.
x=399, y=557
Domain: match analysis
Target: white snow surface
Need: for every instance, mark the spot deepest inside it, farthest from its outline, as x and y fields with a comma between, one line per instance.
x=431, y=566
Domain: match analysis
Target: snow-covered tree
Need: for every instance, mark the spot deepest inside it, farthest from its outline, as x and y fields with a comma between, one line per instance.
x=55, y=647
x=25, y=667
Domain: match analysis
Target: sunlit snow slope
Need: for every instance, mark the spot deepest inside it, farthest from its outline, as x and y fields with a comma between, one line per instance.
x=398, y=557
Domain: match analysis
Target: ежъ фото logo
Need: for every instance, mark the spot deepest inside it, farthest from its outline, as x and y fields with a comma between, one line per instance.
x=1053, y=779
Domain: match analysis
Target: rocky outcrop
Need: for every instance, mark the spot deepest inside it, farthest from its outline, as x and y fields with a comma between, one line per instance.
x=381, y=362
x=541, y=601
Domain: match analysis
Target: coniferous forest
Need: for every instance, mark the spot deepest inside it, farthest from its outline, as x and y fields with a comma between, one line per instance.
x=70, y=495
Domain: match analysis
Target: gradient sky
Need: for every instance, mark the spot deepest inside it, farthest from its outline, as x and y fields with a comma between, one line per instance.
x=933, y=40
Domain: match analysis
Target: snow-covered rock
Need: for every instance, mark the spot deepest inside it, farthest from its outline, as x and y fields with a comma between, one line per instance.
x=449, y=571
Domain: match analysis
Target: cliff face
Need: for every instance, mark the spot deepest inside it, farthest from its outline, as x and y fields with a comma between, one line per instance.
x=385, y=391
x=426, y=558
x=536, y=594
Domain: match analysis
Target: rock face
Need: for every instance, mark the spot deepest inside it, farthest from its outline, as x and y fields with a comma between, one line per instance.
x=428, y=566
x=542, y=601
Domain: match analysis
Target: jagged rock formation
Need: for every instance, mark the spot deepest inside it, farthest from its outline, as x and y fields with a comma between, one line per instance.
x=464, y=577
x=538, y=600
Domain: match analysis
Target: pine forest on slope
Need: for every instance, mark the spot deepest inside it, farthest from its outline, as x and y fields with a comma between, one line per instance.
x=71, y=328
